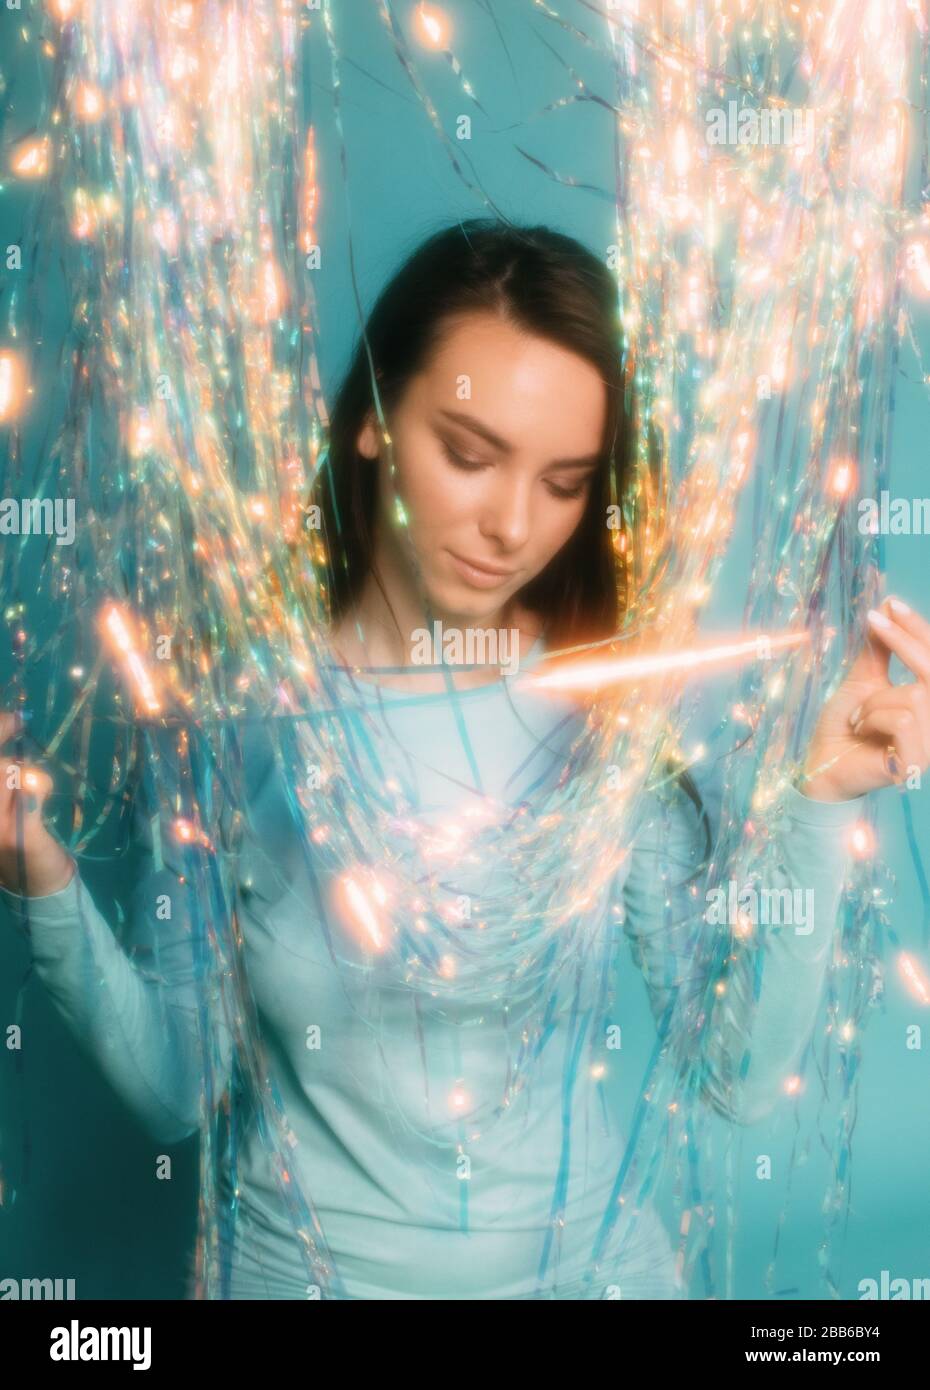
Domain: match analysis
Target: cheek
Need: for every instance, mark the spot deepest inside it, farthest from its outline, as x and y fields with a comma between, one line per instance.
x=439, y=496
x=559, y=522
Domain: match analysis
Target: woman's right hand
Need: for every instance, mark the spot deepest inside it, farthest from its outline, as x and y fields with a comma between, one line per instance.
x=48, y=866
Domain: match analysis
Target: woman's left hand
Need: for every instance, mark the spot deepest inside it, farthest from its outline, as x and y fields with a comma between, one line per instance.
x=871, y=733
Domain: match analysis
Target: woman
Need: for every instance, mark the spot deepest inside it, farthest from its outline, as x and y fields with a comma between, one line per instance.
x=494, y=349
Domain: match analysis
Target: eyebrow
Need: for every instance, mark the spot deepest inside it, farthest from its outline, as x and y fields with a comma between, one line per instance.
x=477, y=427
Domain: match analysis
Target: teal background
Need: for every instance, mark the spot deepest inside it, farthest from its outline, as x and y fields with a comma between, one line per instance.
x=87, y=1204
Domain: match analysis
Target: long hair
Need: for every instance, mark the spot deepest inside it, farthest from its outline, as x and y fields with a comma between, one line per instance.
x=546, y=284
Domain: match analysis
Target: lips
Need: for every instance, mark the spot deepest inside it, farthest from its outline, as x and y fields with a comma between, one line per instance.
x=482, y=565
x=479, y=573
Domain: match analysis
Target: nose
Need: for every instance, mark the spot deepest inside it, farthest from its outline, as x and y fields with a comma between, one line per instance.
x=506, y=515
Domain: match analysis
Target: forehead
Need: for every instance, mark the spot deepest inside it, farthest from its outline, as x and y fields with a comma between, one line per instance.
x=533, y=392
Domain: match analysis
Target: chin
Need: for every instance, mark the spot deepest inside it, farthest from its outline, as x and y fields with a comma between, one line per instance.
x=475, y=609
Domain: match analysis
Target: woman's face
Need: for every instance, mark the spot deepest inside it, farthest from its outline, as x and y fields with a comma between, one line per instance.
x=495, y=446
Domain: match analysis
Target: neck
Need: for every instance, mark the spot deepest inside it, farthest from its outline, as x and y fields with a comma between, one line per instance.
x=390, y=607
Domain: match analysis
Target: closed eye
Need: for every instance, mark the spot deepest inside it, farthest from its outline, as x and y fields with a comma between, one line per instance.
x=458, y=461
x=468, y=465
x=567, y=492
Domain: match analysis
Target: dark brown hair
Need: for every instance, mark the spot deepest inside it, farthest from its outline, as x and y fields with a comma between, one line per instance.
x=544, y=283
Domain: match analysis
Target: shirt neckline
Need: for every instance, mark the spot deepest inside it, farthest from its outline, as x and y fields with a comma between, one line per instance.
x=377, y=691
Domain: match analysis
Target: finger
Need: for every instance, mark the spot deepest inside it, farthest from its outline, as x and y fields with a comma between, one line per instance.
x=912, y=651
x=900, y=728
x=874, y=659
x=911, y=696
x=872, y=662
x=912, y=622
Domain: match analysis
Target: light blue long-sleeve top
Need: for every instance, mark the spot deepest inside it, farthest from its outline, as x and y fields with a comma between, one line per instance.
x=377, y=1106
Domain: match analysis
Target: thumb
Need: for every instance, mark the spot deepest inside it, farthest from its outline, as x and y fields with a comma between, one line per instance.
x=872, y=662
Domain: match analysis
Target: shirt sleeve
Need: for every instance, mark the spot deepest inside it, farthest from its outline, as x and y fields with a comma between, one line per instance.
x=136, y=1006
x=742, y=1035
